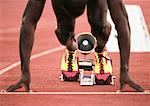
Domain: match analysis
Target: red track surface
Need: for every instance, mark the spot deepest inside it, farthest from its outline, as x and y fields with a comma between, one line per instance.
x=45, y=69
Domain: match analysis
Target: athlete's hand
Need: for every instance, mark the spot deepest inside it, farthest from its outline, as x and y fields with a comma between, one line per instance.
x=23, y=82
x=125, y=79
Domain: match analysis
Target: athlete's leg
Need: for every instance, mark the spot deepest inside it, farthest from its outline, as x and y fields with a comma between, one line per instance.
x=97, y=17
x=100, y=28
x=66, y=12
x=66, y=20
x=120, y=18
x=31, y=16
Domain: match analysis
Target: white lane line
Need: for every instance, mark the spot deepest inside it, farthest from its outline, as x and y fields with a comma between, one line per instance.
x=4, y=70
x=74, y=93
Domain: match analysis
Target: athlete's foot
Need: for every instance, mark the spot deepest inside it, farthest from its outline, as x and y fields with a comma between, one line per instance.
x=69, y=61
x=103, y=68
x=101, y=63
x=69, y=65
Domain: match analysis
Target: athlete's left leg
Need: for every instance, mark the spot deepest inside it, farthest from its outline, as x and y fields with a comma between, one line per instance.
x=100, y=28
x=97, y=17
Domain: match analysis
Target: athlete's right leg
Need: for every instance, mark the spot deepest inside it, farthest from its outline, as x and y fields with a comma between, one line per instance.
x=31, y=16
x=65, y=25
x=66, y=20
x=66, y=11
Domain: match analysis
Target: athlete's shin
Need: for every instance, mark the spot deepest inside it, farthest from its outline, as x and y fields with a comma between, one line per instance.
x=102, y=36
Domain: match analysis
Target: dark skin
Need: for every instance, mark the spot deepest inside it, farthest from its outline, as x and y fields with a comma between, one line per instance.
x=66, y=12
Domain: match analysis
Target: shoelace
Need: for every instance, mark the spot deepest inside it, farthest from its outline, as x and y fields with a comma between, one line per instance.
x=70, y=61
x=101, y=63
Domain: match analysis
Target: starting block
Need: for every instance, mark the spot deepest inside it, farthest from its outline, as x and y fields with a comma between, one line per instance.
x=87, y=77
x=86, y=69
x=86, y=64
x=86, y=73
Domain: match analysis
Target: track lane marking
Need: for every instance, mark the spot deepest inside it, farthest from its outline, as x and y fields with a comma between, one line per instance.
x=8, y=68
x=75, y=93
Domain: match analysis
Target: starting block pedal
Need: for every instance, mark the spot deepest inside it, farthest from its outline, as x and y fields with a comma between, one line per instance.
x=104, y=79
x=69, y=76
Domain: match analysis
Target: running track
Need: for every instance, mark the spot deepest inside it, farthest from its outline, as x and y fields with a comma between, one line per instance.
x=45, y=67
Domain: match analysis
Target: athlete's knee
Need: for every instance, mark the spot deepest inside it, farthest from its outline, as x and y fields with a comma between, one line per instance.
x=63, y=36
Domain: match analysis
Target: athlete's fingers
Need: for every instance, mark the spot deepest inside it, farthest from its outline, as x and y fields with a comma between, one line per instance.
x=136, y=86
x=14, y=87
